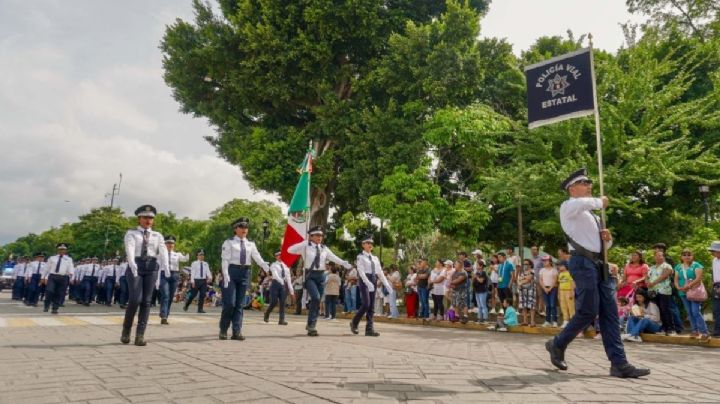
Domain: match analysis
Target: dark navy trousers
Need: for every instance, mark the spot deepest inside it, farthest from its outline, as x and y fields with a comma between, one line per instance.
x=140, y=291
x=314, y=281
x=368, y=308
x=55, y=290
x=233, y=298
x=277, y=297
x=594, y=298
x=33, y=289
x=88, y=288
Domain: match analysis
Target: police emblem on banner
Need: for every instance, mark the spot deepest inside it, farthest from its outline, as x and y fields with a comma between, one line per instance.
x=560, y=88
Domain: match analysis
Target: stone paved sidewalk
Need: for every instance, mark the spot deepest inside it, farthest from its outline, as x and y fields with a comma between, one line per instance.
x=185, y=363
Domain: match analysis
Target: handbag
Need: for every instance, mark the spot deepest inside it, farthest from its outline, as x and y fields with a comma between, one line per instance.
x=697, y=293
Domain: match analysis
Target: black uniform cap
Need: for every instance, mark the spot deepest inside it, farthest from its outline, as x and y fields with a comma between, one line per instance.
x=61, y=246
x=578, y=175
x=170, y=239
x=241, y=222
x=146, y=210
x=316, y=230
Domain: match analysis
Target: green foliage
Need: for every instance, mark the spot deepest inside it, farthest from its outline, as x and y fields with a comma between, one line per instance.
x=698, y=18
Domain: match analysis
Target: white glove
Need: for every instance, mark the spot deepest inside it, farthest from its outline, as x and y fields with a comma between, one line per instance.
x=167, y=272
x=134, y=271
x=226, y=282
x=157, y=283
x=370, y=287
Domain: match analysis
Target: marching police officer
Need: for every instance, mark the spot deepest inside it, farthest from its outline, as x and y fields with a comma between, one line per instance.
x=18, y=273
x=59, y=269
x=146, y=253
x=594, y=292
x=168, y=285
x=109, y=279
x=34, y=273
x=123, y=290
x=280, y=280
x=369, y=269
x=315, y=255
x=200, y=279
x=89, y=280
x=236, y=255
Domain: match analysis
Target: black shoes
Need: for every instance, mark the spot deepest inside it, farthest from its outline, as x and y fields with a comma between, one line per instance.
x=371, y=333
x=266, y=317
x=164, y=321
x=353, y=328
x=628, y=371
x=200, y=311
x=185, y=308
x=312, y=332
x=123, y=306
x=282, y=322
x=45, y=310
x=125, y=338
x=54, y=311
x=238, y=337
x=223, y=335
x=557, y=355
x=140, y=340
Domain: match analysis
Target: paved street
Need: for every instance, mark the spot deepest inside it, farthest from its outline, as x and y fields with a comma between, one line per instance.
x=77, y=357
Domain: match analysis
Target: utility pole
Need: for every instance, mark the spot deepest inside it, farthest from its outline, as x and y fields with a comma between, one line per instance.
x=115, y=191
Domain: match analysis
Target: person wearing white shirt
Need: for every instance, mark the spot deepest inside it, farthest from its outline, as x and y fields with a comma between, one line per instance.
x=200, y=278
x=169, y=284
x=237, y=254
x=18, y=273
x=146, y=253
x=109, y=280
x=33, y=274
x=280, y=281
x=595, y=294
x=369, y=271
x=59, y=269
x=315, y=255
x=89, y=280
x=123, y=291
x=715, y=291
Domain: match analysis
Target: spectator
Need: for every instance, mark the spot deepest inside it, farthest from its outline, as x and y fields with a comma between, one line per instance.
x=537, y=266
x=644, y=317
x=450, y=269
x=508, y=318
x=411, y=293
x=459, y=290
x=395, y=280
x=349, y=300
x=688, y=275
x=528, y=292
x=506, y=276
x=480, y=284
x=332, y=291
x=566, y=290
x=659, y=287
x=634, y=275
x=437, y=280
x=423, y=288
x=467, y=267
x=549, y=283
x=715, y=251
x=494, y=261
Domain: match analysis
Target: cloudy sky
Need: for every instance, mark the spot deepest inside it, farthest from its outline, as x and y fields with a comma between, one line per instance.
x=82, y=99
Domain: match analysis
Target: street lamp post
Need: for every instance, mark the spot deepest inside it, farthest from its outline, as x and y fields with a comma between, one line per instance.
x=266, y=232
x=705, y=193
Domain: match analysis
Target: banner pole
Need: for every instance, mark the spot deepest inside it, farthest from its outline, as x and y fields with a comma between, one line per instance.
x=598, y=140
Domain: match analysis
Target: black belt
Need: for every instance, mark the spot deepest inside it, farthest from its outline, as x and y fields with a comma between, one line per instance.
x=239, y=266
x=592, y=256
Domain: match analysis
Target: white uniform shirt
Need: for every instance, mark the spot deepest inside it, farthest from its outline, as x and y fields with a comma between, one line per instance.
x=19, y=270
x=66, y=266
x=123, y=268
x=308, y=251
x=365, y=264
x=578, y=221
x=716, y=270
x=92, y=270
x=200, y=270
x=35, y=267
x=174, y=260
x=155, y=248
x=231, y=249
x=276, y=270
x=109, y=271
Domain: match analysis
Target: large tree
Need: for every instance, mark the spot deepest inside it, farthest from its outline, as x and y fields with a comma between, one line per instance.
x=356, y=79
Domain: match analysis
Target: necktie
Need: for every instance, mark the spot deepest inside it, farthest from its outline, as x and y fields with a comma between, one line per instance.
x=316, y=261
x=93, y=271
x=144, y=248
x=38, y=268
x=243, y=252
x=57, y=268
x=114, y=267
x=202, y=270
x=282, y=272
x=170, y=260
x=372, y=264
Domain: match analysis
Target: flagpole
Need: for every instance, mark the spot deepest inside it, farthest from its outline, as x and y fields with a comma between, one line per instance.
x=598, y=140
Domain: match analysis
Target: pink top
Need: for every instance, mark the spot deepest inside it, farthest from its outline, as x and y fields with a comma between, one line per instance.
x=549, y=276
x=634, y=272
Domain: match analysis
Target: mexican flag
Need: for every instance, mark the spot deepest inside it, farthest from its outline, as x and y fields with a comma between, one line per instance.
x=298, y=213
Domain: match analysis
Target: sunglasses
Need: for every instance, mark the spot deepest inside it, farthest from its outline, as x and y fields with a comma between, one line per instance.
x=585, y=182
x=687, y=254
